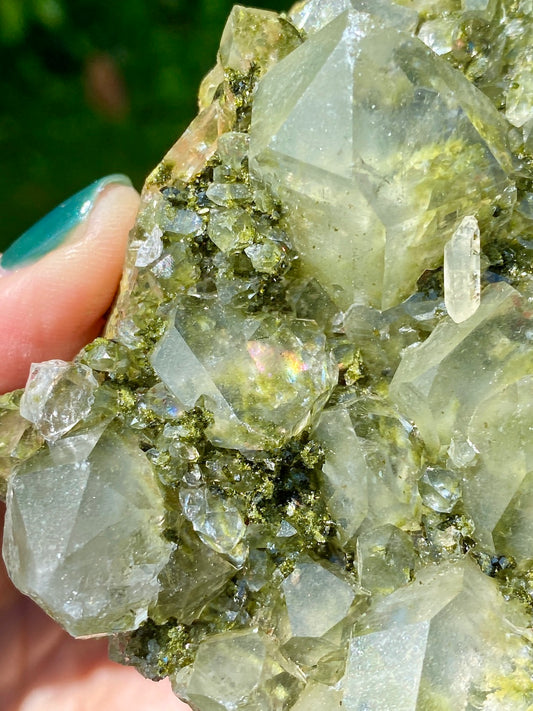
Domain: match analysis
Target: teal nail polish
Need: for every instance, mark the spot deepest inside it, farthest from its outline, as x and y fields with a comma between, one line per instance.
x=53, y=229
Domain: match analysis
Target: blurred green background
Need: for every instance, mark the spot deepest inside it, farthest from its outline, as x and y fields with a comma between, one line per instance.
x=92, y=87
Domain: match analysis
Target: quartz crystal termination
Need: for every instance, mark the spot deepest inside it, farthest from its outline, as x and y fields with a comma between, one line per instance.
x=399, y=146
x=296, y=473
x=462, y=271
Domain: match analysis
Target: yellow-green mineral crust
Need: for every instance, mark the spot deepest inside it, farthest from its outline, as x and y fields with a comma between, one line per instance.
x=296, y=471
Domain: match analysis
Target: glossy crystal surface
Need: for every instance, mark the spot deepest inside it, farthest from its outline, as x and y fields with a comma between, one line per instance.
x=83, y=533
x=261, y=377
x=376, y=145
x=296, y=470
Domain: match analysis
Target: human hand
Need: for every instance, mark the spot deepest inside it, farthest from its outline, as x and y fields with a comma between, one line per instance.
x=50, y=308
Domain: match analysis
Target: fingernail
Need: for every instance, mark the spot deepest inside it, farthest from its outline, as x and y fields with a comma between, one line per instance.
x=54, y=228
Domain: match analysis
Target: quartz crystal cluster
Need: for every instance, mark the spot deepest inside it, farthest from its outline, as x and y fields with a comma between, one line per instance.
x=296, y=471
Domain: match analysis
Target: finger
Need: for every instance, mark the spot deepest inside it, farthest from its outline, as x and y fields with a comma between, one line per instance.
x=52, y=307
x=8, y=594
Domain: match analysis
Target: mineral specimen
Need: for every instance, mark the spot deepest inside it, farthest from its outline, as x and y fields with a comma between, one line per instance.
x=296, y=471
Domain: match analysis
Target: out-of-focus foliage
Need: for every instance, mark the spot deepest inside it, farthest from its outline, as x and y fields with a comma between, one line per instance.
x=91, y=87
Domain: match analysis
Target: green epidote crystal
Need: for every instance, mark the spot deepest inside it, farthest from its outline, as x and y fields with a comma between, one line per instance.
x=296, y=470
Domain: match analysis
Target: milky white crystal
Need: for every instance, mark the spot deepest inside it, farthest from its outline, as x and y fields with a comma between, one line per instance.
x=150, y=249
x=313, y=15
x=519, y=102
x=462, y=270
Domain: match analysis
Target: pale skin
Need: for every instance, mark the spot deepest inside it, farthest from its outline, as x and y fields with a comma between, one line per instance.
x=50, y=309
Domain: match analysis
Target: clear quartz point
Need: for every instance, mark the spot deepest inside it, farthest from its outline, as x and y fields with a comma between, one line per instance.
x=462, y=271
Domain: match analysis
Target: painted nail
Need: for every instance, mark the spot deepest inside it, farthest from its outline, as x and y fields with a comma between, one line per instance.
x=54, y=228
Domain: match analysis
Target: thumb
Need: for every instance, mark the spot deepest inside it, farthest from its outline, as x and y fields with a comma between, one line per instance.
x=53, y=302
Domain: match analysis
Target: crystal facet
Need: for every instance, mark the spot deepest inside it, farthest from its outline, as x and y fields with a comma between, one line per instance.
x=57, y=396
x=296, y=471
x=95, y=567
x=404, y=651
x=375, y=143
x=316, y=600
x=261, y=377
